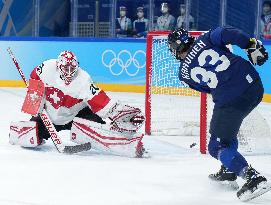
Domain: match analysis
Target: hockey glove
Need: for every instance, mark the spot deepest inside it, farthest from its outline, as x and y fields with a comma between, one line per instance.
x=125, y=118
x=257, y=54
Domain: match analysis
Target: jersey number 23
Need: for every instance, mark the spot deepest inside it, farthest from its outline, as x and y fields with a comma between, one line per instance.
x=209, y=77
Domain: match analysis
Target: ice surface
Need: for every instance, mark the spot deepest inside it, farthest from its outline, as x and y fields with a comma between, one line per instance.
x=175, y=174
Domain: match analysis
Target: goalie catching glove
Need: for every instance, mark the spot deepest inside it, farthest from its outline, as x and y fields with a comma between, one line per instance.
x=257, y=54
x=125, y=118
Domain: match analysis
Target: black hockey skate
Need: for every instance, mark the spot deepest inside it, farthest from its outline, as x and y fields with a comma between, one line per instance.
x=225, y=177
x=255, y=186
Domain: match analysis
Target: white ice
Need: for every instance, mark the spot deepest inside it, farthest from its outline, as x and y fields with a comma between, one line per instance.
x=174, y=175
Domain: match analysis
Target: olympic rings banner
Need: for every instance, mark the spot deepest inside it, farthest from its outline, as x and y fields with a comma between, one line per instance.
x=124, y=62
x=108, y=61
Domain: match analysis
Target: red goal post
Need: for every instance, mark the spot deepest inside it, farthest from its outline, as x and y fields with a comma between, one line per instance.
x=150, y=54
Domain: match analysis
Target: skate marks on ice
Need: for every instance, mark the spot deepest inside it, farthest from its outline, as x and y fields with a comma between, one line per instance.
x=226, y=185
x=4, y=201
x=155, y=147
x=175, y=174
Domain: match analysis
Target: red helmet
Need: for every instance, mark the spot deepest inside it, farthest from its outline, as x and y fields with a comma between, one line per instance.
x=68, y=66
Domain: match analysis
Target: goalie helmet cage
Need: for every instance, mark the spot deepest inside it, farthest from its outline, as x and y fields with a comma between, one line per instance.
x=162, y=35
x=172, y=108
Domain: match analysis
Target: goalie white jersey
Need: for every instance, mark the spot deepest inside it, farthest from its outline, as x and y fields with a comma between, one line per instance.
x=63, y=102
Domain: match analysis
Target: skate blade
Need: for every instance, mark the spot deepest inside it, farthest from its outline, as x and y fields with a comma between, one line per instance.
x=262, y=188
x=227, y=184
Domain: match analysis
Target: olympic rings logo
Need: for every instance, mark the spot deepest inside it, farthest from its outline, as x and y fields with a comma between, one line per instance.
x=125, y=61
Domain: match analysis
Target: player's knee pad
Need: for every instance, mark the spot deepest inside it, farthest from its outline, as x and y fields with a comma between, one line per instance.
x=102, y=138
x=24, y=133
x=214, y=147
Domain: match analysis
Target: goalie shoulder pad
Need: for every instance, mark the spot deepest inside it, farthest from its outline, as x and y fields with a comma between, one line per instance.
x=257, y=54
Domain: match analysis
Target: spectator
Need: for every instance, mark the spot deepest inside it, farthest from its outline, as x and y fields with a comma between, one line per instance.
x=181, y=20
x=266, y=19
x=141, y=24
x=166, y=21
x=123, y=24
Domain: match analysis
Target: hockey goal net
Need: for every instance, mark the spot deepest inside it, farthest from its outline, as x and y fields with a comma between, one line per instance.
x=171, y=108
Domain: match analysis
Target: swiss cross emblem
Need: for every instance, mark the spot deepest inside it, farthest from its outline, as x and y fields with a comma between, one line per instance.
x=54, y=96
x=58, y=99
x=34, y=96
x=73, y=136
x=68, y=56
x=31, y=140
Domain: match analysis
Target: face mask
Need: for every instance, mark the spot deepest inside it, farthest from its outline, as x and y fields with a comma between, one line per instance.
x=182, y=10
x=122, y=13
x=266, y=10
x=164, y=10
x=140, y=14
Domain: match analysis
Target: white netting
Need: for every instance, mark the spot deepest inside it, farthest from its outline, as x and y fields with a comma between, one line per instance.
x=175, y=109
x=254, y=135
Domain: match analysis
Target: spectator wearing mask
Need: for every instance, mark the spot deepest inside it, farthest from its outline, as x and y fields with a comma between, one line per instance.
x=266, y=20
x=141, y=24
x=123, y=24
x=166, y=21
x=181, y=20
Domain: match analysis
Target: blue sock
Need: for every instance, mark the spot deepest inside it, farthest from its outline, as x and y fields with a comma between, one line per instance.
x=233, y=160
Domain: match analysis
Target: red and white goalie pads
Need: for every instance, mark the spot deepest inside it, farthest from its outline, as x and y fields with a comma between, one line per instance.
x=103, y=138
x=34, y=100
x=24, y=133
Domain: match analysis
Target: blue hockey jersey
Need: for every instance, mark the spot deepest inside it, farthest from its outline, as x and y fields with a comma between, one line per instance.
x=210, y=67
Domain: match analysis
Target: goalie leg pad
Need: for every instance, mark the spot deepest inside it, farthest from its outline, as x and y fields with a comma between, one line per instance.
x=102, y=138
x=24, y=133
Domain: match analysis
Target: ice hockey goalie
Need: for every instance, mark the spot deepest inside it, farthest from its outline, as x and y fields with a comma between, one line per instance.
x=75, y=103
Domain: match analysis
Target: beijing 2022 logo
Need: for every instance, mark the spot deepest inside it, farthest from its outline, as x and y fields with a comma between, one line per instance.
x=118, y=62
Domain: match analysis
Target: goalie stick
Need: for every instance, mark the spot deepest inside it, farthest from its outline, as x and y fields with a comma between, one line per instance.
x=48, y=123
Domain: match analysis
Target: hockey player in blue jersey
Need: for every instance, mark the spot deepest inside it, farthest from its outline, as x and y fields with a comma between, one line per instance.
x=207, y=65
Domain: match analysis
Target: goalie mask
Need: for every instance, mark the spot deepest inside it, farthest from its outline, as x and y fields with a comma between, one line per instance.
x=68, y=66
x=179, y=41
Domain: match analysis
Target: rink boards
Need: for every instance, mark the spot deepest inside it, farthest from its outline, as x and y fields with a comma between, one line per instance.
x=114, y=64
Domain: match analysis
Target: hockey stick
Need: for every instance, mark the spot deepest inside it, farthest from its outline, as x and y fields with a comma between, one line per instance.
x=48, y=123
x=17, y=66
